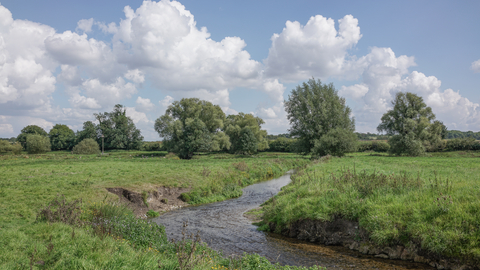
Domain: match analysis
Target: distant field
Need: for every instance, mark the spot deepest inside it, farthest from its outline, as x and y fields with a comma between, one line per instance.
x=433, y=200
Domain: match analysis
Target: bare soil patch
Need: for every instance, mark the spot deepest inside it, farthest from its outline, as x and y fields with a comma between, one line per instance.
x=162, y=199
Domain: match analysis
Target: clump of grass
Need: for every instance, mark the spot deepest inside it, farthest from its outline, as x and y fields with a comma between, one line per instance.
x=241, y=166
x=59, y=210
x=186, y=249
x=152, y=214
x=110, y=219
x=145, y=197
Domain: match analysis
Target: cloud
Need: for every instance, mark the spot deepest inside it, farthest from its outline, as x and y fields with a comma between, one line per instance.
x=476, y=66
x=137, y=116
x=135, y=75
x=85, y=25
x=161, y=39
x=144, y=104
x=108, y=94
x=166, y=101
x=26, y=80
x=383, y=74
x=314, y=49
x=6, y=129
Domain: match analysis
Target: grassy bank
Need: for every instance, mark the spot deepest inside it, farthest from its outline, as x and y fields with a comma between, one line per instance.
x=433, y=201
x=29, y=182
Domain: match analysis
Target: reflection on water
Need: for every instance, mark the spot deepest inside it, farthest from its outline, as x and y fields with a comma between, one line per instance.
x=223, y=227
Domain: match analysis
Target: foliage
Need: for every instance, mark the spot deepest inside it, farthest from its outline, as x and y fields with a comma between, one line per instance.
x=121, y=223
x=454, y=134
x=192, y=125
x=153, y=146
x=281, y=144
x=245, y=133
x=89, y=132
x=314, y=109
x=152, y=214
x=118, y=130
x=433, y=200
x=38, y=144
x=61, y=137
x=376, y=146
x=86, y=147
x=410, y=126
x=31, y=129
x=463, y=144
x=336, y=142
x=6, y=147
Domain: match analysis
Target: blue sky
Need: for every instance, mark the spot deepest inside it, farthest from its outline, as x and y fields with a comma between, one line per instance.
x=62, y=61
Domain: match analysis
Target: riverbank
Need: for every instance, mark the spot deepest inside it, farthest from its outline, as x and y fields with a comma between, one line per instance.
x=431, y=204
x=30, y=182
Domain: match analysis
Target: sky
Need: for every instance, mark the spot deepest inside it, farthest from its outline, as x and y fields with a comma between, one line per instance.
x=62, y=61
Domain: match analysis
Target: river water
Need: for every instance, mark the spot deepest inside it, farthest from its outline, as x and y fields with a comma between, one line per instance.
x=224, y=228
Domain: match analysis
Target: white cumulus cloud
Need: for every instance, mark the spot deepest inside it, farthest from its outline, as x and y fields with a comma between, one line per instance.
x=315, y=49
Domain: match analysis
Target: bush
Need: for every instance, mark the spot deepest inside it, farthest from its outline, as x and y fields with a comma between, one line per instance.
x=462, y=144
x=336, y=142
x=87, y=147
x=281, y=144
x=380, y=146
x=38, y=144
x=6, y=147
x=153, y=146
x=400, y=145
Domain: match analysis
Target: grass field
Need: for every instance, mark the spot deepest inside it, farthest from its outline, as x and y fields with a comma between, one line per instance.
x=432, y=200
x=29, y=182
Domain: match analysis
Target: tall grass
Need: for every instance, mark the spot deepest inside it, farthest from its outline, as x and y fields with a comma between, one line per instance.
x=433, y=201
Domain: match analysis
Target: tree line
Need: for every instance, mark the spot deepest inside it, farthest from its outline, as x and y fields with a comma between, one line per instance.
x=320, y=124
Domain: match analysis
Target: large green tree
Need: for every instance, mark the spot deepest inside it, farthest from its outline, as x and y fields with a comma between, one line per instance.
x=61, y=137
x=317, y=116
x=192, y=125
x=29, y=130
x=118, y=130
x=411, y=125
x=245, y=133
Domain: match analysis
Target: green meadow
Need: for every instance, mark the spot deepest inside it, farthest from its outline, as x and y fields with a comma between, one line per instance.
x=432, y=200
x=98, y=232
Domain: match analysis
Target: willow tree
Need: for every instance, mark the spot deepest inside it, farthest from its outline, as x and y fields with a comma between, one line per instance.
x=320, y=120
x=192, y=125
x=411, y=125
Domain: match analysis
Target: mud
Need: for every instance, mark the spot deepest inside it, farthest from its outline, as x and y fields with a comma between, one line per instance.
x=162, y=199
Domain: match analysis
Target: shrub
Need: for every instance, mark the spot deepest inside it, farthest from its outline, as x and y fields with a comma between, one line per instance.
x=6, y=147
x=37, y=144
x=153, y=146
x=462, y=144
x=281, y=144
x=380, y=146
x=87, y=147
x=336, y=142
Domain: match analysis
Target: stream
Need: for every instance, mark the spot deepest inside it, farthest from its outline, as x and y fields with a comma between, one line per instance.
x=224, y=228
